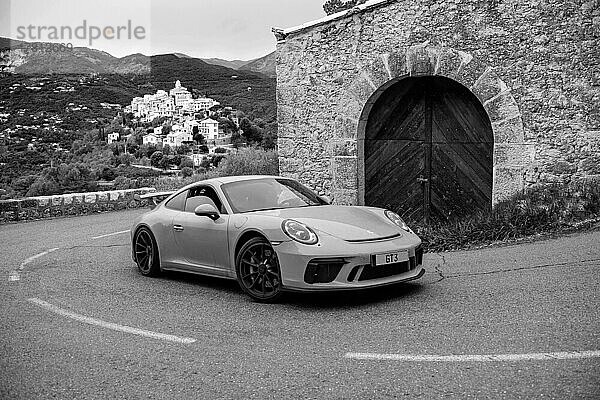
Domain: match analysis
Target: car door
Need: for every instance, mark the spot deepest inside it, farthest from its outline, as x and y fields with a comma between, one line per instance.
x=202, y=240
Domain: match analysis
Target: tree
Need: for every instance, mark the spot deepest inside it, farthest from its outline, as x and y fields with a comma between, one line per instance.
x=183, y=149
x=137, y=137
x=175, y=160
x=199, y=138
x=334, y=6
x=251, y=132
x=164, y=163
x=236, y=139
x=156, y=158
x=126, y=159
x=158, y=121
x=269, y=140
x=227, y=125
x=107, y=173
x=216, y=159
x=21, y=185
x=187, y=172
x=186, y=162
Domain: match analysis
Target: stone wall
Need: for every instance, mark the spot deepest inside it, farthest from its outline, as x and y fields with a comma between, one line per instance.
x=32, y=208
x=535, y=67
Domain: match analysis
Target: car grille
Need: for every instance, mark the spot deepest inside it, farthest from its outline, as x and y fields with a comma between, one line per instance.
x=383, y=271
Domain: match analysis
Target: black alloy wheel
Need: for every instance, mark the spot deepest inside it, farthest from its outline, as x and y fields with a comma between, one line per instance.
x=258, y=271
x=146, y=252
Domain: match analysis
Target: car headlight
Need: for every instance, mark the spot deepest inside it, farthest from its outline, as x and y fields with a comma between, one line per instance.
x=395, y=218
x=299, y=232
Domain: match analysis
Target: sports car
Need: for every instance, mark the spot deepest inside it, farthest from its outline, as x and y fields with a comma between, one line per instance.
x=272, y=234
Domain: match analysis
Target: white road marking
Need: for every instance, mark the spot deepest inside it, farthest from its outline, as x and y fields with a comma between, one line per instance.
x=15, y=275
x=110, y=325
x=561, y=355
x=111, y=234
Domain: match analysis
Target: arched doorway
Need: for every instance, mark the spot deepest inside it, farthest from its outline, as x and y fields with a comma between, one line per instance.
x=428, y=150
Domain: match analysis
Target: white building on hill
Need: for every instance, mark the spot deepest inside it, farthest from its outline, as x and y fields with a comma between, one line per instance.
x=162, y=104
x=209, y=128
x=181, y=97
x=177, y=138
x=152, y=138
x=112, y=137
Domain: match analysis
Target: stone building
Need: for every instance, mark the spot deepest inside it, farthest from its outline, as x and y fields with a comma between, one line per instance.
x=440, y=106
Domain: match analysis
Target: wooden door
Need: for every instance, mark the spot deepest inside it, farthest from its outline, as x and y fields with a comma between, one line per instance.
x=428, y=150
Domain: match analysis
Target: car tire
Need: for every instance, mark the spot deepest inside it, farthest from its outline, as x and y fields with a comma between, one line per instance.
x=258, y=272
x=146, y=252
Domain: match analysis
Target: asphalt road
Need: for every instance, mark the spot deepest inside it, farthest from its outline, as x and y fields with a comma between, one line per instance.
x=517, y=300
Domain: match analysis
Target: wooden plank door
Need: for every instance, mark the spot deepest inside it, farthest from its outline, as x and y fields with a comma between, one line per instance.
x=461, y=154
x=395, y=148
x=428, y=151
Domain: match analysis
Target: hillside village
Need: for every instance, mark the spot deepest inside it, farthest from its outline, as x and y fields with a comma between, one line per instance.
x=60, y=140
x=200, y=125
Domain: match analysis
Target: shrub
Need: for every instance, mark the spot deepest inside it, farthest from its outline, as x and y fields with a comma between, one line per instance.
x=123, y=182
x=187, y=172
x=248, y=161
x=251, y=161
x=156, y=158
x=542, y=209
x=186, y=162
x=107, y=173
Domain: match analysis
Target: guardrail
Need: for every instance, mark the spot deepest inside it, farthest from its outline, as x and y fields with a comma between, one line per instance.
x=32, y=208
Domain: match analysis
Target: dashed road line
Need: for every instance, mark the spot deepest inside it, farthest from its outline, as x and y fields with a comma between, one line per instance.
x=109, y=325
x=15, y=274
x=111, y=234
x=561, y=355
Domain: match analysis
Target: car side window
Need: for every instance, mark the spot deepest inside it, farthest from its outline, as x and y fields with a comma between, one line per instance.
x=203, y=195
x=177, y=202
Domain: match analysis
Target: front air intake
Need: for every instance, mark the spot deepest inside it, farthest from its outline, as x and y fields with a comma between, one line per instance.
x=323, y=270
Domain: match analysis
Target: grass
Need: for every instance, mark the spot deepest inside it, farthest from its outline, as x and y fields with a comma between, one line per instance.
x=550, y=209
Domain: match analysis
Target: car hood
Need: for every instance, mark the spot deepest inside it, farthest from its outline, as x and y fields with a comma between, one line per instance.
x=344, y=222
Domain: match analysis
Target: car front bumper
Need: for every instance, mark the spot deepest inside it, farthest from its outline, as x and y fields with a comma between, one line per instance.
x=356, y=271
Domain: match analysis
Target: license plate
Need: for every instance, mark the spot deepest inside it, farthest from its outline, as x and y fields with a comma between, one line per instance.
x=390, y=258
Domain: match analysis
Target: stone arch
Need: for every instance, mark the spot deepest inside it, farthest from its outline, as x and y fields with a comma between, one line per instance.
x=511, y=155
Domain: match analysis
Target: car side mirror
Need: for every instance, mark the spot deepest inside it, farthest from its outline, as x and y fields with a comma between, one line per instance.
x=326, y=199
x=207, y=210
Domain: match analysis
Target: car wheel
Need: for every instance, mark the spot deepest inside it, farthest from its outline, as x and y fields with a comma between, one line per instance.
x=258, y=272
x=146, y=252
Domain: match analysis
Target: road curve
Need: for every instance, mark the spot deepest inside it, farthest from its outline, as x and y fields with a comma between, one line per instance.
x=518, y=321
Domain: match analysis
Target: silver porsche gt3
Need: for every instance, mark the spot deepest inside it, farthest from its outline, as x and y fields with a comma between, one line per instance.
x=273, y=234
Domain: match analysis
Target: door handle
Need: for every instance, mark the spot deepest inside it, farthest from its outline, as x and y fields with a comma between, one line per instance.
x=177, y=228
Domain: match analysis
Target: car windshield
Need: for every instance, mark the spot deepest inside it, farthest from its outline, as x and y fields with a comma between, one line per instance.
x=269, y=194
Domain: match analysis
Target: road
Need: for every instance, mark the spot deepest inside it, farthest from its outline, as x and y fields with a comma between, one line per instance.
x=522, y=321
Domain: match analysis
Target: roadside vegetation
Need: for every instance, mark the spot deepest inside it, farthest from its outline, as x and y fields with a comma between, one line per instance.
x=247, y=161
x=543, y=210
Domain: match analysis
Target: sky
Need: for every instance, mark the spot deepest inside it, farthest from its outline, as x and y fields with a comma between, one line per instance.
x=227, y=29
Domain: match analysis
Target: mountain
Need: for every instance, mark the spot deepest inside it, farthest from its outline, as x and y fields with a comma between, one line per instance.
x=264, y=65
x=97, y=76
x=251, y=92
x=233, y=64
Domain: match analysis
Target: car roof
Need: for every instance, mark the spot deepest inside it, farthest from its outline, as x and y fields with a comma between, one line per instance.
x=238, y=178
x=228, y=179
